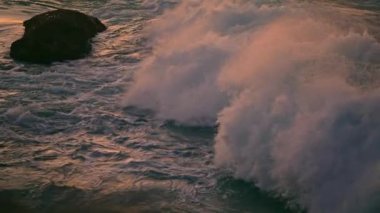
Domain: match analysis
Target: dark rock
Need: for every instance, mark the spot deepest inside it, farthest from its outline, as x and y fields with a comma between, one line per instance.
x=55, y=36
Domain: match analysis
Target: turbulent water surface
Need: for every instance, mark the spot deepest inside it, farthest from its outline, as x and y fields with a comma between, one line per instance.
x=196, y=106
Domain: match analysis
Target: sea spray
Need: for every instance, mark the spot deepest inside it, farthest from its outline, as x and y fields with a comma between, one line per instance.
x=286, y=90
x=180, y=79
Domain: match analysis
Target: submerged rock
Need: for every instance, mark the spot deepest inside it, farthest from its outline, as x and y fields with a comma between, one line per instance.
x=55, y=36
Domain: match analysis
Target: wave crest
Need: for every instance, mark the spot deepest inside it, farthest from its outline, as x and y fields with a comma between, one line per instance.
x=285, y=87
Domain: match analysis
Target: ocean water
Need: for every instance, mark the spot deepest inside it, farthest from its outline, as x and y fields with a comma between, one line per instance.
x=197, y=106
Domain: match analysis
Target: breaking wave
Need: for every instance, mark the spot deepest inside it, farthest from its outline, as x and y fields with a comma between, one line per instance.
x=293, y=88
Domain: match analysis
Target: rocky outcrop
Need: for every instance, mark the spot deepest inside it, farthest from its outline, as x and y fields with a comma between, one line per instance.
x=56, y=36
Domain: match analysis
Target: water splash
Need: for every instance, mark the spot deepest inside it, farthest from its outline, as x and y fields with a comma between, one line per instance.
x=293, y=88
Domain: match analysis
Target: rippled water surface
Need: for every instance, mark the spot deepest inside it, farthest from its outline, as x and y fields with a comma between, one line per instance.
x=68, y=145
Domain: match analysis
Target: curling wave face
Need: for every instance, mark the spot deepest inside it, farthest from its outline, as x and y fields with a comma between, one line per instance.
x=293, y=87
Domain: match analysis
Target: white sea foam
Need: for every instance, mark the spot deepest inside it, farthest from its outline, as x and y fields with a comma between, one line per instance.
x=285, y=84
